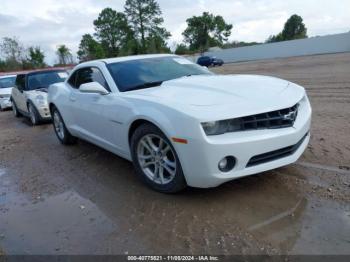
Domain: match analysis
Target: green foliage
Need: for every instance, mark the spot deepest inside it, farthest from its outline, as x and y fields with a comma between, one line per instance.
x=36, y=57
x=156, y=44
x=294, y=28
x=144, y=17
x=206, y=31
x=182, y=49
x=64, y=55
x=275, y=38
x=136, y=31
x=2, y=66
x=90, y=49
x=113, y=31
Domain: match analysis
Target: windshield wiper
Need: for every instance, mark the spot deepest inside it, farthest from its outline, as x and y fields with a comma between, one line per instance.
x=189, y=75
x=39, y=88
x=145, y=85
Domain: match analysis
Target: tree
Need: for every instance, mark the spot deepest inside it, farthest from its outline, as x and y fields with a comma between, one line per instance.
x=90, y=49
x=13, y=52
x=181, y=49
x=16, y=57
x=157, y=44
x=112, y=31
x=64, y=55
x=36, y=57
x=206, y=31
x=144, y=16
x=294, y=28
x=275, y=38
x=2, y=65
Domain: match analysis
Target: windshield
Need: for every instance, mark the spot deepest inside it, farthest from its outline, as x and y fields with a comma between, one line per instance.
x=149, y=72
x=7, y=82
x=45, y=79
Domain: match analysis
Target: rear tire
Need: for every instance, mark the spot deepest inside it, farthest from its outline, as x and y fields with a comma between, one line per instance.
x=156, y=161
x=15, y=110
x=61, y=131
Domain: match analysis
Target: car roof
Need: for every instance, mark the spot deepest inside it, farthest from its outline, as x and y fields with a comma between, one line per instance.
x=6, y=76
x=127, y=58
x=43, y=71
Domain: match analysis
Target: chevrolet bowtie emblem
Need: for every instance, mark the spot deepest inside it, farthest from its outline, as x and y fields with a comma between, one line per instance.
x=290, y=116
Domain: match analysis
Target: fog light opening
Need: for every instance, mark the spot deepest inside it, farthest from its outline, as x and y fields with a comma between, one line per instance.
x=227, y=164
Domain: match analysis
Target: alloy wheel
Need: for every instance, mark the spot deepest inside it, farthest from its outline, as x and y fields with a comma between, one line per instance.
x=14, y=108
x=58, y=124
x=156, y=159
x=32, y=114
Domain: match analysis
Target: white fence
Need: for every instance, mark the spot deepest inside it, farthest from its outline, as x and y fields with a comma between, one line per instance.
x=311, y=46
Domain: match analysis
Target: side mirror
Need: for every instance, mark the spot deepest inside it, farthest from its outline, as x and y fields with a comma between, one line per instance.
x=93, y=87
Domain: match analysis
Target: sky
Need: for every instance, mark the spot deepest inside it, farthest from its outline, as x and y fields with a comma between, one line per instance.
x=48, y=23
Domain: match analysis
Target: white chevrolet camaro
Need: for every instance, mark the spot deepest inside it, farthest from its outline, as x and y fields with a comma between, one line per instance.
x=179, y=123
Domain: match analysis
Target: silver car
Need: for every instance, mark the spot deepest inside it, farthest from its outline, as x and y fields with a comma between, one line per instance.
x=6, y=84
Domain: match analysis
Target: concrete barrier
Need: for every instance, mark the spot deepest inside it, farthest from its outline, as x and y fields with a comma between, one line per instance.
x=310, y=46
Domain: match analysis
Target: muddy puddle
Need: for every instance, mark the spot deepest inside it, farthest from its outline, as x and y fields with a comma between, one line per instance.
x=253, y=215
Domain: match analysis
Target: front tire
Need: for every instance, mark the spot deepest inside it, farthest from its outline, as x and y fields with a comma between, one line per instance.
x=61, y=131
x=33, y=114
x=156, y=161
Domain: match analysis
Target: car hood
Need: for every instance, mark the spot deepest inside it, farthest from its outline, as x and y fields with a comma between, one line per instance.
x=212, y=96
x=34, y=93
x=5, y=91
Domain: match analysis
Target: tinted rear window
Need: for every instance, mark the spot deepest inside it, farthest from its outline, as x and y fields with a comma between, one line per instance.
x=7, y=82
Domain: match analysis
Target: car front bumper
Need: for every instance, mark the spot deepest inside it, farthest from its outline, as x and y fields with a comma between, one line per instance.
x=5, y=103
x=200, y=157
x=44, y=112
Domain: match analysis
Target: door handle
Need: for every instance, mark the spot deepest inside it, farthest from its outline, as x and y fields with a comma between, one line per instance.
x=72, y=98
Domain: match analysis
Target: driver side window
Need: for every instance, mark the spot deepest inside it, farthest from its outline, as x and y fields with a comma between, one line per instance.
x=87, y=75
x=21, y=82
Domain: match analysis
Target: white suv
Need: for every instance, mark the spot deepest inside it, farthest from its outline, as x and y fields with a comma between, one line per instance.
x=29, y=96
x=6, y=84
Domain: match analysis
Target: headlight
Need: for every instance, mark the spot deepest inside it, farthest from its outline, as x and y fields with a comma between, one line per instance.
x=221, y=127
x=214, y=128
x=40, y=100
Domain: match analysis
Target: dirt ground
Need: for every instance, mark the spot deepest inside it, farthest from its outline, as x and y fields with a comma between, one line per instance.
x=84, y=200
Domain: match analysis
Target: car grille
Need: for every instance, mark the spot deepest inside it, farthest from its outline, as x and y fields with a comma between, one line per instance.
x=276, y=154
x=274, y=119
